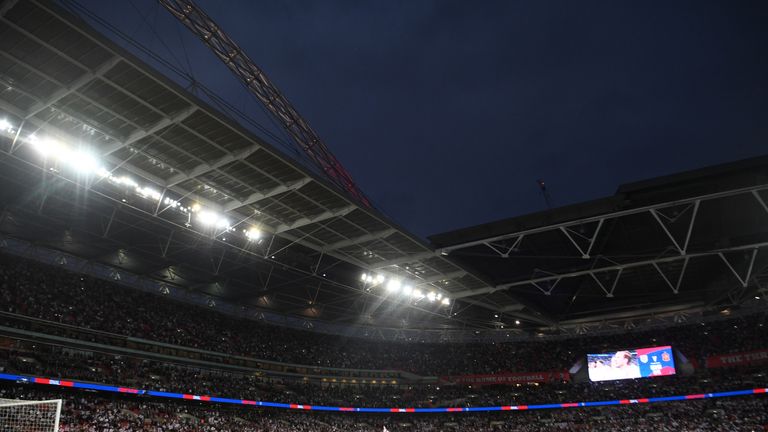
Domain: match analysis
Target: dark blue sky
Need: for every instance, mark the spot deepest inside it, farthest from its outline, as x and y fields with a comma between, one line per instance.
x=447, y=112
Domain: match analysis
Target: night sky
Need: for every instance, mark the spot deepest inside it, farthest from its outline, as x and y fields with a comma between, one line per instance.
x=447, y=112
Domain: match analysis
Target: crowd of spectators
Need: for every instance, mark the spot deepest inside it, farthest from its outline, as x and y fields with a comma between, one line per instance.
x=68, y=364
x=52, y=293
x=95, y=413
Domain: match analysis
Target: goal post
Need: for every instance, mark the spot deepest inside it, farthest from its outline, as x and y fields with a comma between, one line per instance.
x=30, y=416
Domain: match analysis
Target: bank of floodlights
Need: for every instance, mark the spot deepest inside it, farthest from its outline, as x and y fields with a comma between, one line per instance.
x=395, y=286
x=81, y=160
x=61, y=156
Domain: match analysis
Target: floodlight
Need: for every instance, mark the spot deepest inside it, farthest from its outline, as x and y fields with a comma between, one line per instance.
x=149, y=193
x=417, y=293
x=517, y=322
x=446, y=301
x=393, y=285
x=431, y=296
x=49, y=147
x=407, y=289
x=207, y=218
x=171, y=202
x=127, y=181
x=380, y=278
x=439, y=296
x=83, y=161
x=5, y=125
x=364, y=277
x=254, y=234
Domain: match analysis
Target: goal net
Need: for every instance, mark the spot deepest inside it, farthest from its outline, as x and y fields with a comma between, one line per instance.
x=29, y=416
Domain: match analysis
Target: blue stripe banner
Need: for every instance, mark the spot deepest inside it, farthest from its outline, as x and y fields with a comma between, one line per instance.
x=168, y=395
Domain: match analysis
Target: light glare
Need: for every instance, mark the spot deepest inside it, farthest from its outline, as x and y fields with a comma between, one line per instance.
x=254, y=234
x=83, y=161
x=207, y=218
x=393, y=286
x=48, y=147
x=5, y=125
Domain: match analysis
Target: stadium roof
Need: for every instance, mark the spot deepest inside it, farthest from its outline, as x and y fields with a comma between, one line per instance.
x=64, y=80
x=167, y=152
x=690, y=241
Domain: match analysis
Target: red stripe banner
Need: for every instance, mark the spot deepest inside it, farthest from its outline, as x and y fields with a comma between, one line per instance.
x=507, y=378
x=737, y=359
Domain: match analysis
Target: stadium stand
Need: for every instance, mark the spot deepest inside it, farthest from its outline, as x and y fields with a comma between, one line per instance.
x=35, y=290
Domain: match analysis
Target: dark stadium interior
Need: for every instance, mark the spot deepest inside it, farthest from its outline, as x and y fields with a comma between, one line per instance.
x=192, y=256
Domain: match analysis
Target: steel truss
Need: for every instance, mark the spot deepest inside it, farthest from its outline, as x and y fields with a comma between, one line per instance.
x=504, y=245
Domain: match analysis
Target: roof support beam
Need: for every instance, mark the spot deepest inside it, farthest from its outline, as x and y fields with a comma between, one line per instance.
x=571, y=233
x=744, y=281
x=404, y=260
x=310, y=245
x=514, y=310
x=658, y=216
x=760, y=200
x=141, y=134
x=617, y=267
x=75, y=86
x=6, y=6
x=441, y=277
x=674, y=286
x=256, y=197
x=206, y=168
x=691, y=201
x=362, y=239
x=319, y=218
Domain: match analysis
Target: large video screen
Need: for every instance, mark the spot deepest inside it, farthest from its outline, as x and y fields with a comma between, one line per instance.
x=634, y=363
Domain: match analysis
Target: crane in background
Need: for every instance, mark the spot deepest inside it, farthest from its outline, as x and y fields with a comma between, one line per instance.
x=195, y=19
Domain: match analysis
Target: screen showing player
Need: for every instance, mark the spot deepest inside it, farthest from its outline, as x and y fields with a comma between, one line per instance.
x=634, y=363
